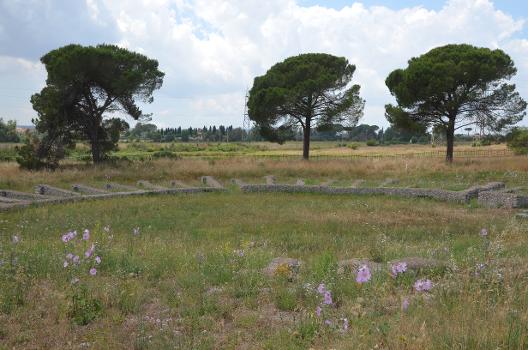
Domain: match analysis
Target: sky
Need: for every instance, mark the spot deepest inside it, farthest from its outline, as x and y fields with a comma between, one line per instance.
x=211, y=50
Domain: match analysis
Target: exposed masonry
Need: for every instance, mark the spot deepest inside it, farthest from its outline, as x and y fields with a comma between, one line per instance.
x=502, y=200
x=149, y=186
x=50, y=195
x=211, y=181
x=444, y=195
x=87, y=189
x=492, y=194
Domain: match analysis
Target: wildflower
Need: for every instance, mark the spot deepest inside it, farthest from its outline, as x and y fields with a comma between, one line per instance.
x=399, y=267
x=74, y=280
x=65, y=264
x=405, y=304
x=318, y=311
x=423, y=285
x=135, y=231
x=76, y=259
x=89, y=252
x=239, y=252
x=15, y=239
x=86, y=235
x=363, y=274
x=483, y=232
x=106, y=229
x=328, y=322
x=69, y=256
x=93, y=271
x=97, y=260
x=327, y=298
x=321, y=289
x=345, y=324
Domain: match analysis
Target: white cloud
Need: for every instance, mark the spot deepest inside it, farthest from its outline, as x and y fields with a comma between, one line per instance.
x=211, y=50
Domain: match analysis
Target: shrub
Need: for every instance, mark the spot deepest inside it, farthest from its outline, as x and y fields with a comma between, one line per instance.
x=372, y=143
x=518, y=141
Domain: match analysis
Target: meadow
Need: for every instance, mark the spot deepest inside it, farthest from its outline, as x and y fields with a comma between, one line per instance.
x=186, y=271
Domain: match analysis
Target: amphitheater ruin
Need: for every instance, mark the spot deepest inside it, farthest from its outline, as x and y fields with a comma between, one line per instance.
x=491, y=195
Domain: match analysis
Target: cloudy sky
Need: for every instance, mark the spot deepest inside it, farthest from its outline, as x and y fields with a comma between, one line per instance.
x=211, y=50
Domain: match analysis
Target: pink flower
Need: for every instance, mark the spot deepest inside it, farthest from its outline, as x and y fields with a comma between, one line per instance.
x=86, y=235
x=423, y=285
x=399, y=267
x=97, y=260
x=483, y=232
x=345, y=324
x=405, y=304
x=321, y=289
x=327, y=298
x=363, y=274
x=318, y=311
x=93, y=271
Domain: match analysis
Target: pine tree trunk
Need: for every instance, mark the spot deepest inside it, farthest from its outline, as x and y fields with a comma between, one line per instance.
x=450, y=137
x=306, y=140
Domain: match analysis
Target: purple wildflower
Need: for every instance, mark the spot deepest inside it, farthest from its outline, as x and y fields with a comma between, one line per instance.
x=363, y=274
x=76, y=259
x=86, y=235
x=321, y=289
x=65, y=264
x=239, y=252
x=405, y=304
x=318, y=311
x=328, y=322
x=399, y=267
x=327, y=298
x=97, y=260
x=483, y=232
x=93, y=271
x=90, y=251
x=423, y=285
x=69, y=256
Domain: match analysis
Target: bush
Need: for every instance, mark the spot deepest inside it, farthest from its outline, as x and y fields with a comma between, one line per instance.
x=518, y=141
x=353, y=146
x=372, y=143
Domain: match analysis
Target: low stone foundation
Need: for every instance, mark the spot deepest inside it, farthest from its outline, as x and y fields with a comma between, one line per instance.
x=505, y=200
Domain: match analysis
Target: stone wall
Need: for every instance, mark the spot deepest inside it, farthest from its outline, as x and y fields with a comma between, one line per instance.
x=505, y=200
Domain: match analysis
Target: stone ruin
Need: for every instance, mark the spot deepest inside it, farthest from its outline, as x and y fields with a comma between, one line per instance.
x=492, y=195
x=46, y=194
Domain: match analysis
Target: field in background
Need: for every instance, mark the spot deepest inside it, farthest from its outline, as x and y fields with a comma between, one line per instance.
x=290, y=150
x=185, y=271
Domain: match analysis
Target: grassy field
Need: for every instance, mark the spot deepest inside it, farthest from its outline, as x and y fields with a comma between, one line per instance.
x=185, y=271
x=325, y=150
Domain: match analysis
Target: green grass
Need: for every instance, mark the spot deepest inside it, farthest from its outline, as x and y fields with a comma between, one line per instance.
x=192, y=278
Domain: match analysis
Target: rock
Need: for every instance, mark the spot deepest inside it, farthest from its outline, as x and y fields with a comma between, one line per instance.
x=328, y=183
x=300, y=182
x=87, y=189
x=353, y=265
x=270, y=180
x=238, y=182
x=357, y=183
x=211, y=182
x=178, y=183
x=388, y=182
x=418, y=263
x=287, y=267
x=54, y=191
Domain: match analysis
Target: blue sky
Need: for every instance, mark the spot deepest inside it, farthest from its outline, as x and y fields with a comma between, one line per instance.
x=211, y=50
